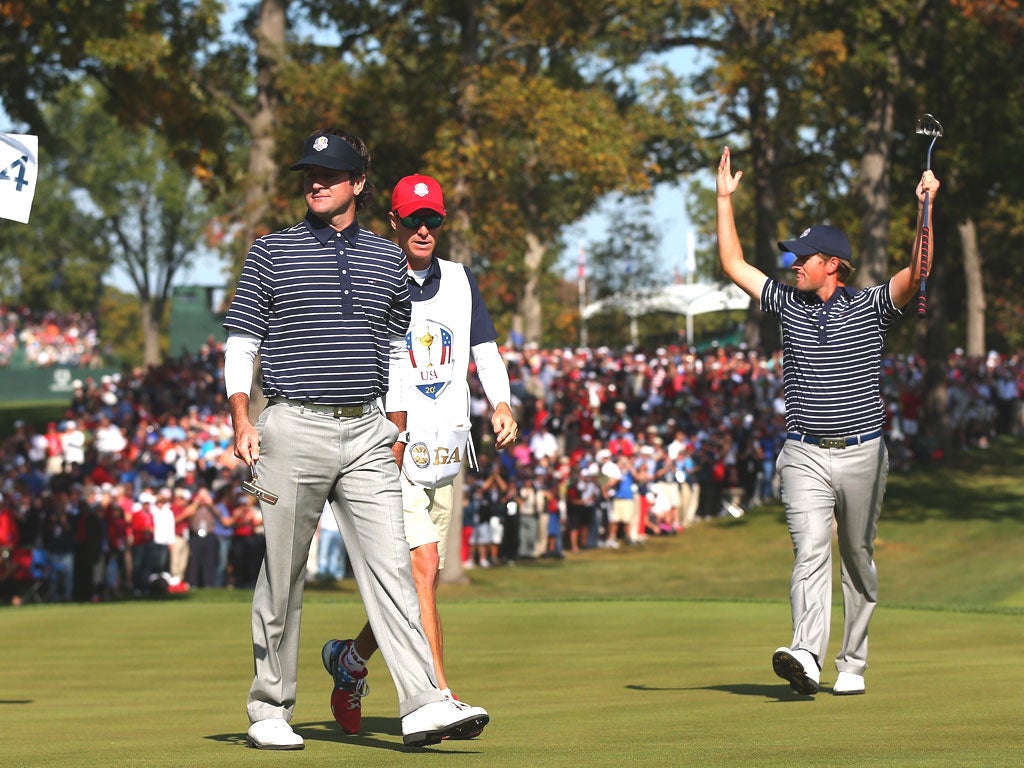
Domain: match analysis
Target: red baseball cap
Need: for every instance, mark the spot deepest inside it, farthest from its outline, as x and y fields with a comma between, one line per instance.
x=417, y=193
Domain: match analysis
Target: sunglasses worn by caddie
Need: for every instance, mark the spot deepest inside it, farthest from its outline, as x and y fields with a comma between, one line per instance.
x=433, y=221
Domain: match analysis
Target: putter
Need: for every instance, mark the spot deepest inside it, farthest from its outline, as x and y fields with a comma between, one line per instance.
x=250, y=487
x=927, y=125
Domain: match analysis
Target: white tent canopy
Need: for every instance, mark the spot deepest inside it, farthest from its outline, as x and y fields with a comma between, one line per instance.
x=682, y=299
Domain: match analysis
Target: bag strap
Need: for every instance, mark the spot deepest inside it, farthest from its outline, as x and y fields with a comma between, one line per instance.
x=471, y=452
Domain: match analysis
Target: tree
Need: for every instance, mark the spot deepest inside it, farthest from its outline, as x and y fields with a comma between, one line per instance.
x=148, y=214
x=43, y=46
x=48, y=44
x=215, y=96
x=58, y=260
x=530, y=112
x=522, y=110
x=251, y=94
x=623, y=263
x=981, y=200
x=768, y=91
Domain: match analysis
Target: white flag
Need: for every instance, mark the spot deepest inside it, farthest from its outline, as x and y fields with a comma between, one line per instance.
x=19, y=168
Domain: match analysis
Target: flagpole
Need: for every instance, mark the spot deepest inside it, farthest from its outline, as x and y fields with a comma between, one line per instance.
x=691, y=257
x=691, y=277
x=581, y=286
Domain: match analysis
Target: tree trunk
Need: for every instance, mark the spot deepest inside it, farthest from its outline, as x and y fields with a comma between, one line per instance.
x=529, y=302
x=150, y=312
x=935, y=423
x=975, y=288
x=269, y=37
x=762, y=329
x=873, y=189
x=460, y=200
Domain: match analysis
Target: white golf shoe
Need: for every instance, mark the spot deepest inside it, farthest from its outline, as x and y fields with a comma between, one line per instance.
x=274, y=733
x=445, y=719
x=848, y=684
x=799, y=668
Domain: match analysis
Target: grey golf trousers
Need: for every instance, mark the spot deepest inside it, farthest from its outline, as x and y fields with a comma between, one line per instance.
x=307, y=457
x=822, y=487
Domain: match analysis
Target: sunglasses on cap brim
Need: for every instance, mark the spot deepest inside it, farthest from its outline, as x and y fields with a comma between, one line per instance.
x=415, y=221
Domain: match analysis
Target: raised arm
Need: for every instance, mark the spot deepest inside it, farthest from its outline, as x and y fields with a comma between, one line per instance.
x=748, y=277
x=904, y=284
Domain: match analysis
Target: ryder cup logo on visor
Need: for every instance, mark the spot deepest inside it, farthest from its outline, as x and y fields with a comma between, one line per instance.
x=430, y=351
x=321, y=143
x=420, y=190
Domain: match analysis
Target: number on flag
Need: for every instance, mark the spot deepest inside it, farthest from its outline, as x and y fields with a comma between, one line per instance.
x=19, y=167
x=16, y=172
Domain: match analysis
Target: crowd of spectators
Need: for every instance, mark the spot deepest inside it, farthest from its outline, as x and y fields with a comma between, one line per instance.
x=627, y=445
x=45, y=339
x=136, y=490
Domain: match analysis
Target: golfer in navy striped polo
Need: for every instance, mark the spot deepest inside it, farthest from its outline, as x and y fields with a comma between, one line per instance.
x=834, y=464
x=325, y=303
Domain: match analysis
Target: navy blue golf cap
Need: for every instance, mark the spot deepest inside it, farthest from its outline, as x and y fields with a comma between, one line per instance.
x=819, y=239
x=331, y=152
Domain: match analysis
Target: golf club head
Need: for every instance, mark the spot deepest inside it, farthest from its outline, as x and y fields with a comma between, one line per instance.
x=250, y=487
x=927, y=125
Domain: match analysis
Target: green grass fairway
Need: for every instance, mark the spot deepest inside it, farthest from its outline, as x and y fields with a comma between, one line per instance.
x=658, y=655
x=574, y=683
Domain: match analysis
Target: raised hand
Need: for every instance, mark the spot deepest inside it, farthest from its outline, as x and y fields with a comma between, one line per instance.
x=727, y=182
x=927, y=185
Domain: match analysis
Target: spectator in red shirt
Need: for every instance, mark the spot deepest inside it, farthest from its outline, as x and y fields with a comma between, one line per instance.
x=118, y=562
x=143, y=551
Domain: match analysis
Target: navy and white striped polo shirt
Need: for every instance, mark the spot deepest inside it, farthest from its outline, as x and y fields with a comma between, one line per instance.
x=324, y=303
x=832, y=356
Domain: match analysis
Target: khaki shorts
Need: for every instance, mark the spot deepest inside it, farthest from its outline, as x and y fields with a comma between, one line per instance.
x=622, y=510
x=428, y=515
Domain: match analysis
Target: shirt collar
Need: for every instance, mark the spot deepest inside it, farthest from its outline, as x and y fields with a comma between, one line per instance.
x=841, y=290
x=433, y=271
x=325, y=232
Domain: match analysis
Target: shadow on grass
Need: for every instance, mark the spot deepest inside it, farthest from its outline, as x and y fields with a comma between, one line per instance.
x=779, y=693
x=370, y=736
x=968, y=485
